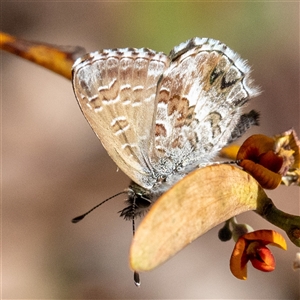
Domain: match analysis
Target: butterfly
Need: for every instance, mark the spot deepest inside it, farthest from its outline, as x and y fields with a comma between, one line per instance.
x=161, y=116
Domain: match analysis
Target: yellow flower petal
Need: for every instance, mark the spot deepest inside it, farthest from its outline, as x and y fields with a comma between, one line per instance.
x=230, y=151
x=238, y=260
x=267, y=237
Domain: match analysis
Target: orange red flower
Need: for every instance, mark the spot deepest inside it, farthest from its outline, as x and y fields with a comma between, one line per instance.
x=252, y=246
x=269, y=159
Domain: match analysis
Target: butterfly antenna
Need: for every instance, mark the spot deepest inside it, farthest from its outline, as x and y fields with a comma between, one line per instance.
x=136, y=275
x=231, y=162
x=79, y=218
x=136, y=278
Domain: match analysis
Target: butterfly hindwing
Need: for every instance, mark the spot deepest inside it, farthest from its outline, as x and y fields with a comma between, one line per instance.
x=199, y=101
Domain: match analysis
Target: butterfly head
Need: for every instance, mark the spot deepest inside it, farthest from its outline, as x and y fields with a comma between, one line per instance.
x=139, y=202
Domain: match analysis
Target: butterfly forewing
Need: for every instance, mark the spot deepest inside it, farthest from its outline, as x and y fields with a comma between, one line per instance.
x=116, y=92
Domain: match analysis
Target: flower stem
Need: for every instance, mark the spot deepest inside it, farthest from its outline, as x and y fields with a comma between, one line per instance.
x=287, y=222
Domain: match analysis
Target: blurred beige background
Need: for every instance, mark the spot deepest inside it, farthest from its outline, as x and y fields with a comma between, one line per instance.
x=54, y=167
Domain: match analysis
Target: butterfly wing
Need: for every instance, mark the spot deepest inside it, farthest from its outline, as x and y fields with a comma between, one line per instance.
x=199, y=102
x=116, y=91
